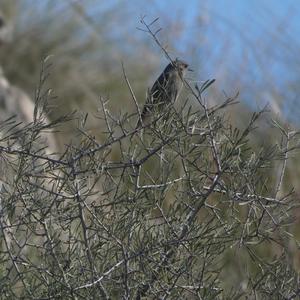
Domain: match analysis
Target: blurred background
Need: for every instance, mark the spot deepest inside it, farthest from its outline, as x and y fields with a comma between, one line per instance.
x=250, y=47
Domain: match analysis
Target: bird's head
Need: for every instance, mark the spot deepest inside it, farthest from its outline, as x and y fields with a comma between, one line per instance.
x=180, y=66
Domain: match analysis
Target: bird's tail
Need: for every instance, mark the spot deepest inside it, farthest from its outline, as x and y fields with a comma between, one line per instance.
x=146, y=110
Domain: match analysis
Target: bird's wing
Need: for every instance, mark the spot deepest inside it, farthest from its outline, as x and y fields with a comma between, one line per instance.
x=155, y=95
x=159, y=86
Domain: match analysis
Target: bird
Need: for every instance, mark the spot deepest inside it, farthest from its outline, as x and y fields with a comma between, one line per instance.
x=165, y=89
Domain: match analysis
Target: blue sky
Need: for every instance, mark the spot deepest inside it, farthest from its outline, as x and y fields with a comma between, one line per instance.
x=251, y=46
x=262, y=46
x=247, y=45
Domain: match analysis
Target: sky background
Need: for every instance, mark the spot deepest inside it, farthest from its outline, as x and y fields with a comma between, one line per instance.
x=248, y=46
x=244, y=44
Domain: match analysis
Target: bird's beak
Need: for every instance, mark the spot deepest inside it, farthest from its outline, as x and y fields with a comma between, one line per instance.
x=191, y=70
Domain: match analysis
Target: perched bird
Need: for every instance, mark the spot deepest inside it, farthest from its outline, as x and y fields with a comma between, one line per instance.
x=165, y=89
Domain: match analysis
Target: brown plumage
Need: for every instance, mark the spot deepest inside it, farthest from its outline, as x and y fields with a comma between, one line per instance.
x=165, y=89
